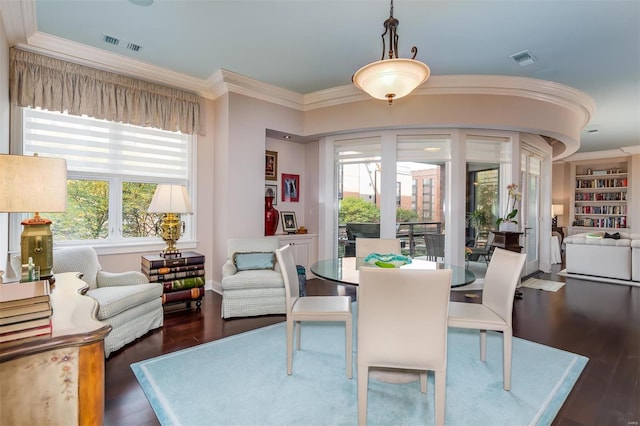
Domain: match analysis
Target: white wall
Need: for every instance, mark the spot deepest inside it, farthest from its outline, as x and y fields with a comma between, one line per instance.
x=4, y=135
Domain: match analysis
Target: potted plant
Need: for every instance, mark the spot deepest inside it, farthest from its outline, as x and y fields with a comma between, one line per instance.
x=508, y=223
x=478, y=220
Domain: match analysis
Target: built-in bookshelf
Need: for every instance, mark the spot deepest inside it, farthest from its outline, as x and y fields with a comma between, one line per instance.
x=601, y=196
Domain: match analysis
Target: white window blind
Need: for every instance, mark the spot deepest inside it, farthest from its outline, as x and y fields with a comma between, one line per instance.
x=99, y=146
x=362, y=150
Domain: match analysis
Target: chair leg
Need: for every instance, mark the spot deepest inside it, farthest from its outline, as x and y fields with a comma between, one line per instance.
x=440, y=396
x=349, y=346
x=363, y=385
x=298, y=334
x=483, y=345
x=423, y=381
x=290, y=326
x=506, y=358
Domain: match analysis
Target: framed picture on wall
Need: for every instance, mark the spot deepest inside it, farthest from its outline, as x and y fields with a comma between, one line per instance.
x=271, y=191
x=289, y=223
x=271, y=165
x=290, y=187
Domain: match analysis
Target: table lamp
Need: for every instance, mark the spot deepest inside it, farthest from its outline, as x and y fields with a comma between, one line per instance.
x=32, y=185
x=171, y=201
x=556, y=210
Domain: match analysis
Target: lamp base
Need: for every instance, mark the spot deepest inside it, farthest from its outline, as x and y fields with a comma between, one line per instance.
x=36, y=242
x=171, y=227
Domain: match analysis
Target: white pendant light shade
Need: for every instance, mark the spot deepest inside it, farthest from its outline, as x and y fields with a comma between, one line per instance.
x=391, y=79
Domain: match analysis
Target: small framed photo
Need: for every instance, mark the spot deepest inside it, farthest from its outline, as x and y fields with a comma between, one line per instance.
x=271, y=165
x=289, y=223
x=290, y=188
x=271, y=191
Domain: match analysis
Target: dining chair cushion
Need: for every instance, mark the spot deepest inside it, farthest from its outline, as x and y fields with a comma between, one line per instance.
x=464, y=315
x=320, y=306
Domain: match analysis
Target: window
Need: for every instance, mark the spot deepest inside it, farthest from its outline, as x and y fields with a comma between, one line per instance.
x=113, y=169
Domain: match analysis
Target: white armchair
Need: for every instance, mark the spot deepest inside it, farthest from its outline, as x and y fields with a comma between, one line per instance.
x=252, y=282
x=127, y=301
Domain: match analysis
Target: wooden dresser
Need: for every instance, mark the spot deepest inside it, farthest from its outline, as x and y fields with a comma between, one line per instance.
x=57, y=379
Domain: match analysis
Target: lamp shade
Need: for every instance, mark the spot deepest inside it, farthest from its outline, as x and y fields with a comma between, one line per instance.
x=391, y=78
x=170, y=199
x=557, y=209
x=32, y=184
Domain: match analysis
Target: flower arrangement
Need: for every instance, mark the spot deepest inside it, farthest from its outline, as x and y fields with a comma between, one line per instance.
x=467, y=252
x=511, y=211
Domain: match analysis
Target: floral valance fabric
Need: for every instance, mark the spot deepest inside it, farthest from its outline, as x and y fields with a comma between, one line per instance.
x=40, y=81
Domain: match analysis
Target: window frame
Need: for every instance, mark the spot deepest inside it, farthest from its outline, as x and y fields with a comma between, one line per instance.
x=117, y=244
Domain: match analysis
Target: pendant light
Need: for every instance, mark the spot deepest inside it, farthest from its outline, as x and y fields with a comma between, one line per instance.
x=391, y=78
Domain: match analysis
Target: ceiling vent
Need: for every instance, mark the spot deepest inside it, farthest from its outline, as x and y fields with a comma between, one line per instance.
x=110, y=39
x=132, y=46
x=523, y=58
x=115, y=41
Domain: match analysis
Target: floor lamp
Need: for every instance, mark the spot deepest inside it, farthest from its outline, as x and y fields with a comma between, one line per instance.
x=32, y=185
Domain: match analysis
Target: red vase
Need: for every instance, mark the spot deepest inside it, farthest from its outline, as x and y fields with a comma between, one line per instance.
x=271, y=217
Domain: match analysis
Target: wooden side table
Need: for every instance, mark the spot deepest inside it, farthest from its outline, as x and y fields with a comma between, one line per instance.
x=507, y=240
x=57, y=378
x=182, y=278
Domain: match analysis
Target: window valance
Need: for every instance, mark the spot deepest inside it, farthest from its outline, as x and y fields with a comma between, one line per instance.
x=40, y=81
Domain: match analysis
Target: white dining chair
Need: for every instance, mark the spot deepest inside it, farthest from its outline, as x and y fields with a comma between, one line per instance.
x=402, y=324
x=312, y=308
x=500, y=281
x=366, y=246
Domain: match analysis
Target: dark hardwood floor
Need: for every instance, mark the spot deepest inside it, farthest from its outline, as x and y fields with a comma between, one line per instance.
x=598, y=320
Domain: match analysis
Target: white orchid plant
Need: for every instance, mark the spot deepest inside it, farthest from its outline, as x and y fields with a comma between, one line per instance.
x=511, y=211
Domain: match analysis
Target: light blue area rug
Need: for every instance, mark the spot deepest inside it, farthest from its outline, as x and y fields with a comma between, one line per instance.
x=242, y=380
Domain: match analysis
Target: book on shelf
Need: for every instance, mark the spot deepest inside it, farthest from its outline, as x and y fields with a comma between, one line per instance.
x=27, y=293
x=182, y=296
x=171, y=269
x=183, y=284
x=10, y=319
x=24, y=325
x=23, y=334
x=39, y=307
x=176, y=275
x=157, y=261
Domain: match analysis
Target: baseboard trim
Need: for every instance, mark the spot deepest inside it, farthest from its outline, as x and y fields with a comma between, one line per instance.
x=564, y=273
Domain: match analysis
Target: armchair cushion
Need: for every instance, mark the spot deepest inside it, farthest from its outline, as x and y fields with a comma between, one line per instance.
x=117, y=299
x=114, y=279
x=257, y=278
x=256, y=260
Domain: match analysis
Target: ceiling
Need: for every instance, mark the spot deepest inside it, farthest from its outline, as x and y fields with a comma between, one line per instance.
x=311, y=45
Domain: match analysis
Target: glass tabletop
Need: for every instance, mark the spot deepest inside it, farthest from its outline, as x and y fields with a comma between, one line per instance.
x=345, y=270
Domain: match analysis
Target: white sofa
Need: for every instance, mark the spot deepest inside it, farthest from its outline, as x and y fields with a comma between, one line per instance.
x=593, y=254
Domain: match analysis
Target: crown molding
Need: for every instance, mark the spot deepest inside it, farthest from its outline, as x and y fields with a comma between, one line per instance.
x=599, y=155
x=19, y=18
x=631, y=150
x=223, y=81
x=82, y=54
x=580, y=103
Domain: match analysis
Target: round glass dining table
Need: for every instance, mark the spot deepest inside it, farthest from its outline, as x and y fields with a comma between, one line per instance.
x=346, y=270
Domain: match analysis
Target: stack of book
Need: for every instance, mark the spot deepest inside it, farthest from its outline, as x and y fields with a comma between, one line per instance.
x=25, y=310
x=182, y=277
